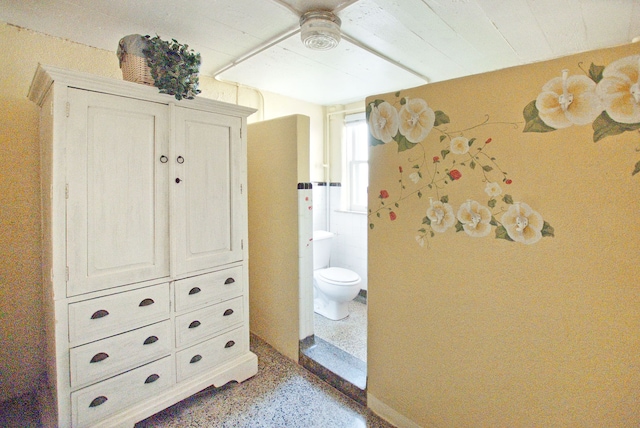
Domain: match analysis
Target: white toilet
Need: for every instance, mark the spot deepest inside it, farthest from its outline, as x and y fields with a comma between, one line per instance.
x=333, y=287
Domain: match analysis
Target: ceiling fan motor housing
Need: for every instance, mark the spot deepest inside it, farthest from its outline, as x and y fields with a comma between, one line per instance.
x=320, y=30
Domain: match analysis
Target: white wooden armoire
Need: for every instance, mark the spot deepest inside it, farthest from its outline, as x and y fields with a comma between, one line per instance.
x=144, y=234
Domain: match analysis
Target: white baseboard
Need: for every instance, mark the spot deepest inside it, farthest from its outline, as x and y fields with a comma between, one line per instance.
x=389, y=414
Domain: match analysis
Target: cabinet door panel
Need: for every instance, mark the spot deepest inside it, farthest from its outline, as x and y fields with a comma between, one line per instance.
x=117, y=208
x=206, y=190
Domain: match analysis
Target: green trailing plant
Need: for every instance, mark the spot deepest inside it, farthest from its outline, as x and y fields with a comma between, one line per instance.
x=174, y=67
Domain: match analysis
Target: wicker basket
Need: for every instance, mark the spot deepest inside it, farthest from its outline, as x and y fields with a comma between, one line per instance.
x=135, y=69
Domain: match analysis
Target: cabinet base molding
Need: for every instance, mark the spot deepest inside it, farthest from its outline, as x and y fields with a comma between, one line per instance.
x=239, y=370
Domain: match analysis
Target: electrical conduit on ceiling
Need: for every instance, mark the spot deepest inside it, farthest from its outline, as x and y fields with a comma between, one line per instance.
x=293, y=31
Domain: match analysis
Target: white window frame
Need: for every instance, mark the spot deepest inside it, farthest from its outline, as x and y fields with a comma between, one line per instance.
x=355, y=200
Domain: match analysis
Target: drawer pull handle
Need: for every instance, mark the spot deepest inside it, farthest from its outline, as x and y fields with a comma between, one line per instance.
x=151, y=339
x=152, y=378
x=229, y=281
x=194, y=290
x=228, y=312
x=146, y=302
x=164, y=159
x=194, y=324
x=98, y=401
x=99, y=357
x=195, y=359
x=229, y=344
x=99, y=314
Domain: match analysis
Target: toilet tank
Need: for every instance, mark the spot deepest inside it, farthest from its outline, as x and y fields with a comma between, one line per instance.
x=321, y=248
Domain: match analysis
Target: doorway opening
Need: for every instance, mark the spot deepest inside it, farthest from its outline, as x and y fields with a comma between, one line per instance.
x=337, y=349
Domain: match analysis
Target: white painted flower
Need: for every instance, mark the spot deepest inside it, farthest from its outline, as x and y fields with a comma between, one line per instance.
x=619, y=89
x=522, y=223
x=441, y=215
x=459, y=145
x=416, y=119
x=568, y=100
x=415, y=177
x=420, y=240
x=493, y=189
x=383, y=121
x=475, y=219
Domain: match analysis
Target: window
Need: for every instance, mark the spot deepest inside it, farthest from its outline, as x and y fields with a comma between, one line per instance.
x=356, y=162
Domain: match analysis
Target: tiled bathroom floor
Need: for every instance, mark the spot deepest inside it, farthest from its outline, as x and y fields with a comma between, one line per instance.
x=349, y=334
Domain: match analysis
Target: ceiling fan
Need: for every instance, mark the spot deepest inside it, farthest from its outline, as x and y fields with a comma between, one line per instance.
x=320, y=29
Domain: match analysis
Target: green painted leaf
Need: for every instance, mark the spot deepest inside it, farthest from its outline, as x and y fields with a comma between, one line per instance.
x=432, y=234
x=423, y=230
x=547, y=230
x=636, y=169
x=501, y=233
x=444, y=153
x=426, y=220
x=493, y=221
x=459, y=226
x=492, y=203
x=397, y=206
x=604, y=126
x=403, y=143
x=442, y=138
x=374, y=141
x=471, y=141
x=533, y=121
x=445, y=199
x=507, y=199
x=472, y=165
x=487, y=168
x=378, y=214
x=371, y=226
x=397, y=94
x=441, y=118
x=419, y=194
x=595, y=72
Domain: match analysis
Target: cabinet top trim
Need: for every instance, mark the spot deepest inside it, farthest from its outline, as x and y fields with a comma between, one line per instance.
x=46, y=75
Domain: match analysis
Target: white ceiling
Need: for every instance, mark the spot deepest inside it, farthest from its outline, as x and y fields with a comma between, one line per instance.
x=387, y=44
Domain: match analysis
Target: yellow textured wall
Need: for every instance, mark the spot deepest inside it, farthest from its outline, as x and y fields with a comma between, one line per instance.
x=481, y=331
x=274, y=148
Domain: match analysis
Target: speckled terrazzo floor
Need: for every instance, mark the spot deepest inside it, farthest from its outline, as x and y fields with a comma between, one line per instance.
x=349, y=334
x=282, y=394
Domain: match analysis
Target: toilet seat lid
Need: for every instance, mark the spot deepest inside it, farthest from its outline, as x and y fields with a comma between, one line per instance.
x=338, y=275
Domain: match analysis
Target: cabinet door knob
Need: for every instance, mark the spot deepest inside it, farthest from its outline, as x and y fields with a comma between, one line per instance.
x=228, y=312
x=180, y=159
x=152, y=378
x=194, y=290
x=164, y=159
x=101, y=356
x=146, y=302
x=194, y=324
x=99, y=314
x=98, y=401
x=229, y=344
x=195, y=359
x=178, y=180
x=229, y=281
x=151, y=339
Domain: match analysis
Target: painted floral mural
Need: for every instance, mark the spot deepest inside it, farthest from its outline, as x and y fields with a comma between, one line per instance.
x=607, y=97
x=437, y=158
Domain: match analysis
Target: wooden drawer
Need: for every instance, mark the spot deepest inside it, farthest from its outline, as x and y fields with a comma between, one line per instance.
x=209, y=354
x=99, y=360
x=105, y=316
x=208, y=321
x=113, y=395
x=202, y=290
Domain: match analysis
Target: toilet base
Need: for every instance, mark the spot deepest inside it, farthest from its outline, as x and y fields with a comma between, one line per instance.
x=332, y=310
